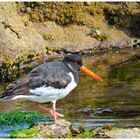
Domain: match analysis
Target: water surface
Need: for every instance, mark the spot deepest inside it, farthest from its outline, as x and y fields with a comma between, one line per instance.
x=115, y=102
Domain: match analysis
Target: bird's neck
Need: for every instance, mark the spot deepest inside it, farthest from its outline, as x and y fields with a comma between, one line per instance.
x=73, y=70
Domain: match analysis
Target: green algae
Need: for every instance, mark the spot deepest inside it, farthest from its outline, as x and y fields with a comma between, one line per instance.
x=25, y=133
x=18, y=117
x=16, y=123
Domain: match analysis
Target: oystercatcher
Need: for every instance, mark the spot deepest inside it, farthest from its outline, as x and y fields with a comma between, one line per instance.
x=49, y=82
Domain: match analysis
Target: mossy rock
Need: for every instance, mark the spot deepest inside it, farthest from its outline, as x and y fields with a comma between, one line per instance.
x=122, y=14
x=83, y=132
x=53, y=131
x=45, y=130
x=63, y=13
x=98, y=34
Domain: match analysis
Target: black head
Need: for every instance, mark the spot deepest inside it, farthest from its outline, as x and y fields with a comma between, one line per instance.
x=74, y=60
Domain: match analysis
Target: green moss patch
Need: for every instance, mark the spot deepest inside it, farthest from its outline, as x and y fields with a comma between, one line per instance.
x=26, y=133
x=20, y=117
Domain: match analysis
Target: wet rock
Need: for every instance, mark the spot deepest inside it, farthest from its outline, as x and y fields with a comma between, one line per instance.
x=55, y=131
x=124, y=133
x=114, y=44
x=71, y=49
x=45, y=130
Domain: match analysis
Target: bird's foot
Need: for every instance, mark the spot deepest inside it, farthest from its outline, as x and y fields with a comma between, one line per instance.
x=60, y=115
x=57, y=114
x=58, y=123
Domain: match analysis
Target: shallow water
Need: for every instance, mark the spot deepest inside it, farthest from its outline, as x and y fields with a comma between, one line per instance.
x=115, y=102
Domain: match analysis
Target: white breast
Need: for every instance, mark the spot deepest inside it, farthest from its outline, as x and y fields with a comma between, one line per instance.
x=49, y=94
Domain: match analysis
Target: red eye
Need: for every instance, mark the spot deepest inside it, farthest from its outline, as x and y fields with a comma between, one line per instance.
x=79, y=63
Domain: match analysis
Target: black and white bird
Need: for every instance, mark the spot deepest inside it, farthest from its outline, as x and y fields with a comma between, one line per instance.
x=49, y=82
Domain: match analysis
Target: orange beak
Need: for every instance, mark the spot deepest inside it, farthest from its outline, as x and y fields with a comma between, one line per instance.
x=90, y=73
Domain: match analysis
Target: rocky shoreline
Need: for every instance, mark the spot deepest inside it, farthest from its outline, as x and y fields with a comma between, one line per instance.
x=11, y=71
x=40, y=126
x=54, y=131
x=27, y=38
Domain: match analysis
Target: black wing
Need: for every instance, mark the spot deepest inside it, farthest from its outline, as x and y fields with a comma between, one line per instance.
x=54, y=74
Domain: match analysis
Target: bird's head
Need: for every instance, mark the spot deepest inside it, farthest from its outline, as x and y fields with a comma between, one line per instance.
x=75, y=63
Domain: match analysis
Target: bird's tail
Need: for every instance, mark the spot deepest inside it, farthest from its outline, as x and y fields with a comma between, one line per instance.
x=18, y=87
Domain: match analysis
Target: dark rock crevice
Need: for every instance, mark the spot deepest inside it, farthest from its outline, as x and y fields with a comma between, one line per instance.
x=6, y=25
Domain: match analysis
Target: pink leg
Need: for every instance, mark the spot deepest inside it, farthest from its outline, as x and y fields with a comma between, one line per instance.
x=57, y=114
x=54, y=113
x=49, y=111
